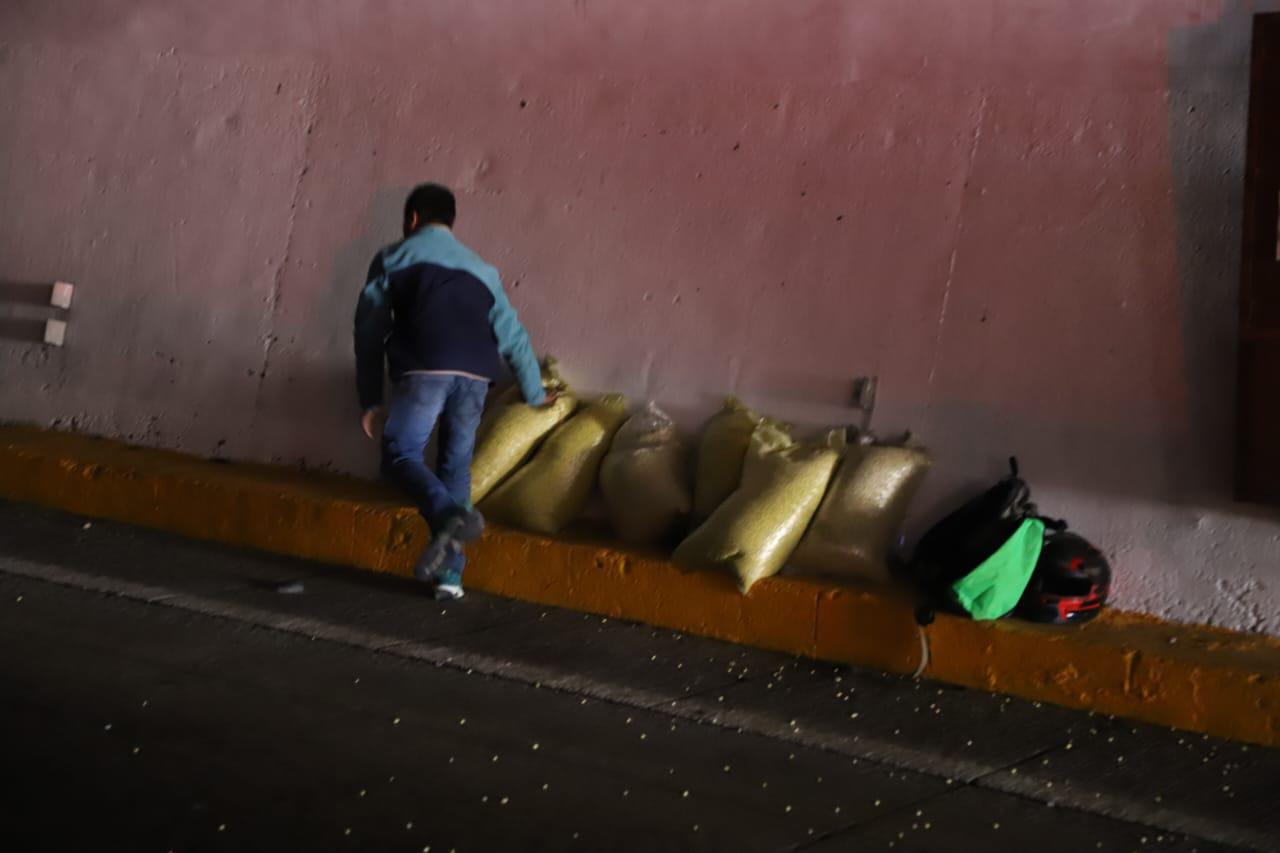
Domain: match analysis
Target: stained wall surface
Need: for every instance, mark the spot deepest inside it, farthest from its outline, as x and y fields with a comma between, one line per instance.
x=1023, y=216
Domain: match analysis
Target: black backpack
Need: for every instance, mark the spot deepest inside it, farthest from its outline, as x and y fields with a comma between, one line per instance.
x=962, y=541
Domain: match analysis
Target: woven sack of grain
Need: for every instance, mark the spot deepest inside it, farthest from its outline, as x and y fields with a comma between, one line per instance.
x=512, y=429
x=721, y=451
x=755, y=530
x=553, y=488
x=645, y=478
x=862, y=513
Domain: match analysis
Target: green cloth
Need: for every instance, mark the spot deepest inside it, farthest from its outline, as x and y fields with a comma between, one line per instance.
x=991, y=590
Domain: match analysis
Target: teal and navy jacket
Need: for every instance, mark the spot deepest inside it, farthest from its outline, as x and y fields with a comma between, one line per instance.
x=430, y=304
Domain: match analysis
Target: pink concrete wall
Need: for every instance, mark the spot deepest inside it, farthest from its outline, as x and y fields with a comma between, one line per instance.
x=1022, y=215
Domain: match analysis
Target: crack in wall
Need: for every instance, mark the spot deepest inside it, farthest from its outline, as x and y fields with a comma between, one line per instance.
x=314, y=85
x=955, y=245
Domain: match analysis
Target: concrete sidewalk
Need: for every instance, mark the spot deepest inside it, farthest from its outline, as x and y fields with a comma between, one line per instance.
x=192, y=617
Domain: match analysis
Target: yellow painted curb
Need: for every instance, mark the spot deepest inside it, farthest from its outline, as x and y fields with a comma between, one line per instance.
x=1190, y=677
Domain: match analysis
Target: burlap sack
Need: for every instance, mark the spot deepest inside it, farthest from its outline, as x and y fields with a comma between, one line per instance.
x=645, y=478
x=551, y=491
x=862, y=513
x=721, y=452
x=755, y=530
x=511, y=430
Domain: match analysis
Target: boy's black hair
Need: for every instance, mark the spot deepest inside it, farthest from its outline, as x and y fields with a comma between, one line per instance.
x=433, y=203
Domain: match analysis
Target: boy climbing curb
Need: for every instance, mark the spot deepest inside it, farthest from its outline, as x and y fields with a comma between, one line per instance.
x=437, y=315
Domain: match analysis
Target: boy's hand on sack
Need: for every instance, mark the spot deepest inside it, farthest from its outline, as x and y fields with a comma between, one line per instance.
x=551, y=397
x=373, y=420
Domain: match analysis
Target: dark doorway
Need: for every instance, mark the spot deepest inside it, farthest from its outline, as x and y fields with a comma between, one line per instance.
x=1258, y=447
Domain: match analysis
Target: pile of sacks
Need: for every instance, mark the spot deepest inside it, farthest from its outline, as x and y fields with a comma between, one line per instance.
x=748, y=498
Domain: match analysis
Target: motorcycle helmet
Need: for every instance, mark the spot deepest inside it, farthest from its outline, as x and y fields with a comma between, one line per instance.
x=1070, y=583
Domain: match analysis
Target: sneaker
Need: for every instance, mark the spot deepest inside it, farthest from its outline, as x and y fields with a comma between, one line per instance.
x=449, y=592
x=437, y=552
x=460, y=529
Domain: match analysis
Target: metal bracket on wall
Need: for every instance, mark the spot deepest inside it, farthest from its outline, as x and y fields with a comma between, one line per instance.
x=864, y=400
x=60, y=297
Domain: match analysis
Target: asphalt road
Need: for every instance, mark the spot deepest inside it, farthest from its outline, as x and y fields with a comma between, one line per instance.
x=158, y=694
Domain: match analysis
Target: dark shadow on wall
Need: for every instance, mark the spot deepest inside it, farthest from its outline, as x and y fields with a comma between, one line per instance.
x=1208, y=122
x=383, y=221
x=311, y=407
x=25, y=293
x=1187, y=464
x=22, y=330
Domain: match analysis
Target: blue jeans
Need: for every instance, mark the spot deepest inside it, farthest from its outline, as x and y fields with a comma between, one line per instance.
x=422, y=402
